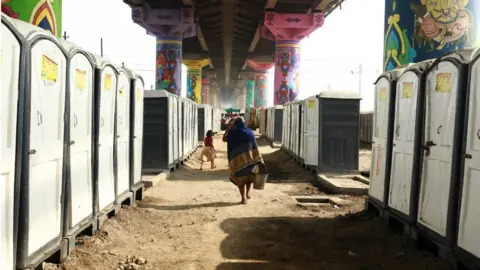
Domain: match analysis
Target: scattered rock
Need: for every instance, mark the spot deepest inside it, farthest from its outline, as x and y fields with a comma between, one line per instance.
x=141, y=261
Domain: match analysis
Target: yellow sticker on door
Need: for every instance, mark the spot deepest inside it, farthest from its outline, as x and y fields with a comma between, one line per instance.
x=444, y=83
x=49, y=69
x=107, y=82
x=311, y=104
x=139, y=94
x=382, y=93
x=407, y=90
x=80, y=79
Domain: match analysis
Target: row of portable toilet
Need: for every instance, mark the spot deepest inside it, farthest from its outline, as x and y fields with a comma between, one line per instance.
x=71, y=142
x=322, y=131
x=274, y=123
x=426, y=145
x=170, y=130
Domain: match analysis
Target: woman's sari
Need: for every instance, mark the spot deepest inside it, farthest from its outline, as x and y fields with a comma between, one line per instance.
x=244, y=158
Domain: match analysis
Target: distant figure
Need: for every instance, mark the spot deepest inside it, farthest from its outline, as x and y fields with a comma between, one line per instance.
x=208, y=150
x=244, y=158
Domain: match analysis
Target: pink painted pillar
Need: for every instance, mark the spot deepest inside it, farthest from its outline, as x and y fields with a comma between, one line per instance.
x=261, y=82
x=170, y=26
x=205, y=90
x=287, y=30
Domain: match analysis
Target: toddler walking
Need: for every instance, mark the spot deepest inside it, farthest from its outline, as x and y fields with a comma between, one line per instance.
x=208, y=150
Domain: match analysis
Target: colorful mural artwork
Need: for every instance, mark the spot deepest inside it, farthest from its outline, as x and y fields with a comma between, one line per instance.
x=249, y=89
x=205, y=90
x=418, y=30
x=287, y=71
x=169, y=65
x=260, y=86
x=194, y=85
x=46, y=14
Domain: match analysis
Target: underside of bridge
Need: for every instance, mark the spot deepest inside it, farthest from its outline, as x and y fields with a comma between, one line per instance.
x=228, y=32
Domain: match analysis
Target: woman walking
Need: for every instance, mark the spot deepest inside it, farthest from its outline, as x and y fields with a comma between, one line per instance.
x=244, y=158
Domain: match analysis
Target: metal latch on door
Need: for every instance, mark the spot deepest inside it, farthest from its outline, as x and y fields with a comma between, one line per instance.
x=427, y=147
x=467, y=156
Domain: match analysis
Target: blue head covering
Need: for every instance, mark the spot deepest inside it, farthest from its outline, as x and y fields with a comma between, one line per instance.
x=238, y=135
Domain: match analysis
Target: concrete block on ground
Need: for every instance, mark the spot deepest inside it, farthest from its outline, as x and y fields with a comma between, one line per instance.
x=343, y=184
x=153, y=180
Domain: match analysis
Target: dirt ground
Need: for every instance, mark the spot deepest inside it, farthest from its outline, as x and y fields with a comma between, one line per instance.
x=194, y=221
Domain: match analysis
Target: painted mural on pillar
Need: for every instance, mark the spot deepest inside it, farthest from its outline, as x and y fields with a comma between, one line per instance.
x=194, y=85
x=260, y=86
x=249, y=89
x=46, y=14
x=287, y=71
x=418, y=30
x=205, y=91
x=169, y=65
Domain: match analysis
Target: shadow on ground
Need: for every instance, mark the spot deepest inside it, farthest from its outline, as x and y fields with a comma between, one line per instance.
x=344, y=243
x=146, y=204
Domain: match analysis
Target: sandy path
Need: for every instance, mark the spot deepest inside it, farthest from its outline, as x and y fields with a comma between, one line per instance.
x=193, y=221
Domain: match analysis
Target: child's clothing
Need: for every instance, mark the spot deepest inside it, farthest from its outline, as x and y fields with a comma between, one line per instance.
x=207, y=150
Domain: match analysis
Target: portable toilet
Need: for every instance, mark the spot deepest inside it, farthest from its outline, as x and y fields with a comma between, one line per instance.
x=42, y=166
x=184, y=118
x=284, y=124
x=447, y=82
x=467, y=248
x=338, y=131
x=204, y=120
x=275, y=123
x=79, y=198
x=295, y=132
x=407, y=136
x=311, y=131
x=262, y=121
x=158, y=131
x=384, y=109
x=13, y=90
x=181, y=138
x=137, y=88
x=106, y=78
x=122, y=142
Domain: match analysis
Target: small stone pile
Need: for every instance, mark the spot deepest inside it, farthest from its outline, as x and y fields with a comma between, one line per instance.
x=131, y=263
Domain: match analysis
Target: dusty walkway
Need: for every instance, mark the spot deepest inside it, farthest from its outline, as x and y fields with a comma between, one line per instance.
x=194, y=221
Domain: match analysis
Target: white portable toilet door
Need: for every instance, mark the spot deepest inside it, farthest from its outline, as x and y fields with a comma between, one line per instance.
x=403, y=139
x=106, y=180
x=379, y=145
x=81, y=115
x=311, y=131
x=123, y=133
x=302, y=133
x=10, y=68
x=441, y=107
x=138, y=131
x=48, y=85
x=469, y=211
x=175, y=128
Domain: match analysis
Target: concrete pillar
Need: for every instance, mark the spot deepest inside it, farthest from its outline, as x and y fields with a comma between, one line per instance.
x=194, y=79
x=249, y=90
x=205, y=90
x=287, y=30
x=169, y=65
x=46, y=14
x=170, y=26
x=261, y=82
x=435, y=29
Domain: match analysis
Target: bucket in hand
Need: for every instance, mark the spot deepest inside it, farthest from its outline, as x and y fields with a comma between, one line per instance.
x=260, y=180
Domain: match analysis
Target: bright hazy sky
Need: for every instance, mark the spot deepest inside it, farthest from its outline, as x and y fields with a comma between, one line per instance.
x=350, y=37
